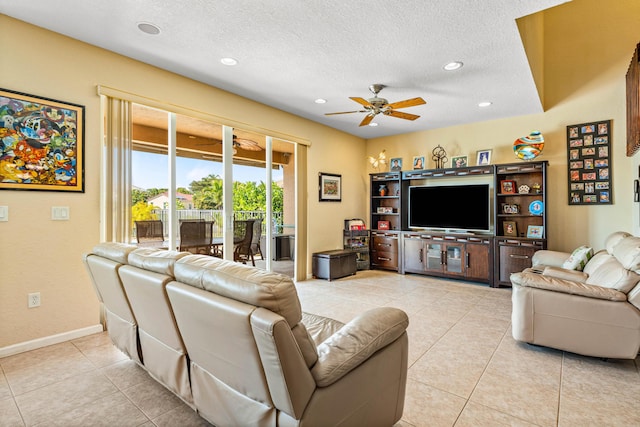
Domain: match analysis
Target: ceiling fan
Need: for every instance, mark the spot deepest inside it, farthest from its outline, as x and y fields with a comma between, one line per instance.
x=243, y=143
x=375, y=106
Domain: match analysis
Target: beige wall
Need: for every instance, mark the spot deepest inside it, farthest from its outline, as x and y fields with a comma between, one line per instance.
x=587, y=50
x=40, y=255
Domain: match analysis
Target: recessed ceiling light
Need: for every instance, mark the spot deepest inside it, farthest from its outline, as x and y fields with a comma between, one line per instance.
x=148, y=28
x=484, y=104
x=229, y=61
x=374, y=124
x=320, y=101
x=452, y=66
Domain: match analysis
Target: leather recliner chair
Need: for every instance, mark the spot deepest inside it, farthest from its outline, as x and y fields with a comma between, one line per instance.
x=594, y=312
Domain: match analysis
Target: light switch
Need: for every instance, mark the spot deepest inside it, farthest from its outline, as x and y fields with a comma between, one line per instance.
x=4, y=213
x=60, y=213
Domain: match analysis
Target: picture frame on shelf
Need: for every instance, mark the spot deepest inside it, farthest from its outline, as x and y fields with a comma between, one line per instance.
x=43, y=143
x=418, y=163
x=384, y=209
x=329, y=187
x=459, y=162
x=396, y=164
x=383, y=225
x=508, y=208
x=508, y=187
x=483, y=157
x=535, y=231
x=510, y=228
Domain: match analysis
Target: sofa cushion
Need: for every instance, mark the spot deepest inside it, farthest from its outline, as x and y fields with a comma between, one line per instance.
x=156, y=260
x=613, y=239
x=579, y=258
x=611, y=274
x=250, y=285
x=627, y=251
x=118, y=252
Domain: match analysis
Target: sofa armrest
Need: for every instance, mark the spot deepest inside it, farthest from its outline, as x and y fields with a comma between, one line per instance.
x=549, y=258
x=563, y=273
x=534, y=280
x=356, y=341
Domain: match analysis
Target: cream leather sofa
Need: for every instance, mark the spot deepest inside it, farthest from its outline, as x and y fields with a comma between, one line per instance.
x=249, y=354
x=594, y=312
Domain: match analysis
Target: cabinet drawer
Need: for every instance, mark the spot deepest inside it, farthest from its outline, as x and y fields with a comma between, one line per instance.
x=384, y=259
x=385, y=244
x=514, y=259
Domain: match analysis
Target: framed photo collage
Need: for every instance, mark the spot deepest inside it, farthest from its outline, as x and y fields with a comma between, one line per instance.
x=589, y=160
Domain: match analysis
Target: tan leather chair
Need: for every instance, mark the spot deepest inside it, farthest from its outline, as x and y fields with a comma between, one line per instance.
x=594, y=312
x=163, y=352
x=103, y=265
x=253, y=362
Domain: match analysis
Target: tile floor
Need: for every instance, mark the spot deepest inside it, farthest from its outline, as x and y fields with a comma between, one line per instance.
x=464, y=368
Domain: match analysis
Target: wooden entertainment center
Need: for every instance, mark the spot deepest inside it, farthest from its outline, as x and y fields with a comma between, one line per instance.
x=518, y=223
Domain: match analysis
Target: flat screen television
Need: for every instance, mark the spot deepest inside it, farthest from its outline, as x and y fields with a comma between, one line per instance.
x=450, y=207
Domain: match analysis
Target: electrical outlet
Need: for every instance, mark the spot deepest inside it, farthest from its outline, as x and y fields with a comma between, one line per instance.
x=34, y=300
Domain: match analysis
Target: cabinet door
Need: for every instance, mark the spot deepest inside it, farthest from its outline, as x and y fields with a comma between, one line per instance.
x=434, y=259
x=413, y=257
x=514, y=259
x=454, y=259
x=477, y=261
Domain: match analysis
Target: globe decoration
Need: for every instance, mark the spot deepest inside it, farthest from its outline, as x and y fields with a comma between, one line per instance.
x=529, y=147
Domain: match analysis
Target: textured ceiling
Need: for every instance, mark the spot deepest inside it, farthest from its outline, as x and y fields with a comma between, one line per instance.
x=291, y=52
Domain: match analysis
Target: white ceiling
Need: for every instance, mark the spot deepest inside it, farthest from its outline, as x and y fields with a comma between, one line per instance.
x=291, y=52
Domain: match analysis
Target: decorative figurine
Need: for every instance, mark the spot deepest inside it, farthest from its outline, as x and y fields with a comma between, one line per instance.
x=439, y=156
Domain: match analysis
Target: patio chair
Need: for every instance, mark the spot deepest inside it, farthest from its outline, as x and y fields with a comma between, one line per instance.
x=196, y=237
x=149, y=232
x=242, y=250
x=255, y=240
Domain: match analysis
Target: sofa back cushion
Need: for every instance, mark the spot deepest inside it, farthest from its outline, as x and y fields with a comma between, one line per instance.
x=609, y=273
x=627, y=251
x=253, y=286
x=156, y=260
x=613, y=239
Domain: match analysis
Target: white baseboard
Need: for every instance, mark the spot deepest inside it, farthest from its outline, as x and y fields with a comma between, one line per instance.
x=50, y=340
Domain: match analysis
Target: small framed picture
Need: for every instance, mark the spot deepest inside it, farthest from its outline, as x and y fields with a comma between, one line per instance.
x=510, y=209
x=535, y=231
x=383, y=225
x=459, y=161
x=510, y=228
x=384, y=209
x=508, y=187
x=396, y=164
x=329, y=187
x=418, y=162
x=483, y=157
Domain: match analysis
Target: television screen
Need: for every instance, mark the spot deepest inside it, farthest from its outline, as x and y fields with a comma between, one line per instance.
x=450, y=207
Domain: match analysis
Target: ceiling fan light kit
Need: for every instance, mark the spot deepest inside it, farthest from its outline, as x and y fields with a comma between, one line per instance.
x=376, y=105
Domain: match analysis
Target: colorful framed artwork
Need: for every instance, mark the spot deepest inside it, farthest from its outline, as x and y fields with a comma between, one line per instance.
x=329, y=187
x=589, y=161
x=42, y=143
x=383, y=225
x=459, y=161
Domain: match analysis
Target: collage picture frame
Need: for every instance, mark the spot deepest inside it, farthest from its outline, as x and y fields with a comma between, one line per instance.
x=589, y=163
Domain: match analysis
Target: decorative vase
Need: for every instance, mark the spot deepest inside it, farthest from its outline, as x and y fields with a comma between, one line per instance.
x=382, y=190
x=529, y=147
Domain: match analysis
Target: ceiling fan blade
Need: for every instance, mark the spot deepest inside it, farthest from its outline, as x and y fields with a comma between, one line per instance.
x=361, y=101
x=346, y=112
x=247, y=144
x=367, y=119
x=407, y=103
x=401, y=115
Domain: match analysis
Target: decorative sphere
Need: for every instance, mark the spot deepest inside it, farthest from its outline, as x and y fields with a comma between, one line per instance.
x=529, y=147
